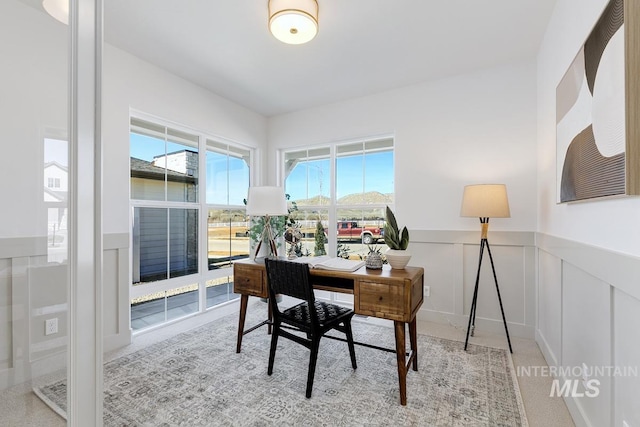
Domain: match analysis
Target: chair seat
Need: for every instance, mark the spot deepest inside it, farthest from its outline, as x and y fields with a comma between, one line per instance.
x=327, y=313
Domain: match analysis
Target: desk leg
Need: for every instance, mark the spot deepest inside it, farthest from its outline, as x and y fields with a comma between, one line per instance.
x=414, y=343
x=401, y=351
x=244, y=300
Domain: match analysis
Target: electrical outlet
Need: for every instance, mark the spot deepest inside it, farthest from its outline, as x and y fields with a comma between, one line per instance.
x=51, y=326
x=427, y=291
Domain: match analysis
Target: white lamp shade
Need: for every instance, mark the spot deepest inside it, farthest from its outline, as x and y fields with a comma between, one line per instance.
x=266, y=201
x=293, y=21
x=59, y=9
x=485, y=201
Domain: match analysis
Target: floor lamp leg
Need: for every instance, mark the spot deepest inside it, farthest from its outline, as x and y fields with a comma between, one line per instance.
x=472, y=312
x=495, y=277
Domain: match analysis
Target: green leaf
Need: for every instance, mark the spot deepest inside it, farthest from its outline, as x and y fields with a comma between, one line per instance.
x=404, y=242
x=391, y=220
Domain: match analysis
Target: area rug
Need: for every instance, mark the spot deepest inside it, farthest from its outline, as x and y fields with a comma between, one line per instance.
x=197, y=379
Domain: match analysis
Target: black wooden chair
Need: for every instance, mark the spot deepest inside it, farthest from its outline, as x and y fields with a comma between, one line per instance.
x=312, y=317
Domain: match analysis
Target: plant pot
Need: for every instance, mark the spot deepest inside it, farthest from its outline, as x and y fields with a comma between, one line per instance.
x=397, y=259
x=374, y=261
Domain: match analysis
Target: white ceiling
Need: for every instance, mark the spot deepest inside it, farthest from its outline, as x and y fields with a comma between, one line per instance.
x=362, y=47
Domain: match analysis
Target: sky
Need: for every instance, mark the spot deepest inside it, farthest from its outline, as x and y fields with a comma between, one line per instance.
x=354, y=174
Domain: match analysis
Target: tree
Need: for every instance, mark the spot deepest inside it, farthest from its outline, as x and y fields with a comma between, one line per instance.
x=319, y=250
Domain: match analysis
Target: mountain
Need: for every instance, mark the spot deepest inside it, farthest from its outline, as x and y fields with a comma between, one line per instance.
x=368, y=198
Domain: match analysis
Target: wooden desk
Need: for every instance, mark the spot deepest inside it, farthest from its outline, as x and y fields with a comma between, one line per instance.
x=388, y=294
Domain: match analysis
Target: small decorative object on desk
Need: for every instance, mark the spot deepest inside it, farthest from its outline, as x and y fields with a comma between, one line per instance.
x=397, y=255
x=374, y=258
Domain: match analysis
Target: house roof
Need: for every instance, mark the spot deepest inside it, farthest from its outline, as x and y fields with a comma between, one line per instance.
x=144, y=169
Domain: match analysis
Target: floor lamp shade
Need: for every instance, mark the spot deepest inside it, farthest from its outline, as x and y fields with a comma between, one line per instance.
x=263, y=201
x=485, y=201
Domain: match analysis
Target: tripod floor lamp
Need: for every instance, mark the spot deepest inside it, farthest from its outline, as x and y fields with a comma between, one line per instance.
x=485, y=201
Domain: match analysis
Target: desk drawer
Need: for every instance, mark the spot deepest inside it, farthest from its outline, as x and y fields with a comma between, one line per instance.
x=384, y=300
x=249, y=280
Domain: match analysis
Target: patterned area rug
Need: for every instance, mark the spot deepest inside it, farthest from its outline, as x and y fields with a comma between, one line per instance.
x=197, y=379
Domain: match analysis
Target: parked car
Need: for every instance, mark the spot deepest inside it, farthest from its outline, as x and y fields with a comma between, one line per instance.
x=349, y=230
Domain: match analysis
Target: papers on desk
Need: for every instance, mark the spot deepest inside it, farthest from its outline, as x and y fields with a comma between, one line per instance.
x=326, y=262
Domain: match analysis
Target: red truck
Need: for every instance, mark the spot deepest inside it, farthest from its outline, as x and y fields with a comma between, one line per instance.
x=349, y=230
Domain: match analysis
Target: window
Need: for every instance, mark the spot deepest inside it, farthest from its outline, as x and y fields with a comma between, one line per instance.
x=56, y=160
x=362, y=176
x=308, y=183
x=227, y=173
x=185, y=236
x=164, y=169
x=53, y=182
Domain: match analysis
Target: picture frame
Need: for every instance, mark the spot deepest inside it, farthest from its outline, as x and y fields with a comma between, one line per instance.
x=598, y=111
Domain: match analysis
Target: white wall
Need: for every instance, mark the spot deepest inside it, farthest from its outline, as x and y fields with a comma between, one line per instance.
x=33, y=93
x=612, y=223
x=34, y=105
x=130, y=83
x=588, y=265
x=474, y=128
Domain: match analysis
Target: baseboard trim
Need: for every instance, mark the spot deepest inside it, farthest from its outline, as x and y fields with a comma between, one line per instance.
x=492, y=326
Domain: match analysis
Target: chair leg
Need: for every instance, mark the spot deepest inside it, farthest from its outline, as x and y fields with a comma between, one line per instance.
x=312, y=364
x=274, y=344
x=352, y=350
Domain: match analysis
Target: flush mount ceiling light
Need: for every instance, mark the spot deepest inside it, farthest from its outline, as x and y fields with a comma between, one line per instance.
x=59, y=9
x=293, y=21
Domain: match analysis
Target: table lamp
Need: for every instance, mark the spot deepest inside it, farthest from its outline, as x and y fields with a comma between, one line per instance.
x=267, y=202
x=485, y=201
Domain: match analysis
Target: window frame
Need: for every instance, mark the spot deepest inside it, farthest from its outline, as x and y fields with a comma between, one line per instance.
x=204, y=274
x=333, y=207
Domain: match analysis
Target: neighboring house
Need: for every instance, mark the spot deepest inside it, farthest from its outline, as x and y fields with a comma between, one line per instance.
x=56, y=192
x=150, y=224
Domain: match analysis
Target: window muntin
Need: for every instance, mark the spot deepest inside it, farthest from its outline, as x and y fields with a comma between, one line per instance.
x=364, y=173
x=172, y=229
x=164, y=163
x=308, y=176
x=364, y=185
x=227, y=174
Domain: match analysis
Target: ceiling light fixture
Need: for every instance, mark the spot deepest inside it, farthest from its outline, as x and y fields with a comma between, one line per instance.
x=59, y=9
x=293, y=21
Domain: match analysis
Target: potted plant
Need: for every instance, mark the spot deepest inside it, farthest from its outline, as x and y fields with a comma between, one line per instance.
x=374, y=260
x=397, y=255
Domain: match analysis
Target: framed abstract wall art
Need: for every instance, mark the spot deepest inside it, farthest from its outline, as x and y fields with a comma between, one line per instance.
x=598, y=110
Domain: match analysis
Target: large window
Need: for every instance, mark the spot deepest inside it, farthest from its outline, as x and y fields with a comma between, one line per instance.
x=346, y=187
x=185, y=236
x=227, y=223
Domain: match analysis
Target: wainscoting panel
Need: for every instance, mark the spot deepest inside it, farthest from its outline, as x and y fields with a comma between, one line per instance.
x=115, y=291
x=626, y=352
x=33, y=290
x=450, y=260
x=509, y=266
x=586, y=332
x=550, y=306
x=589, y=312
